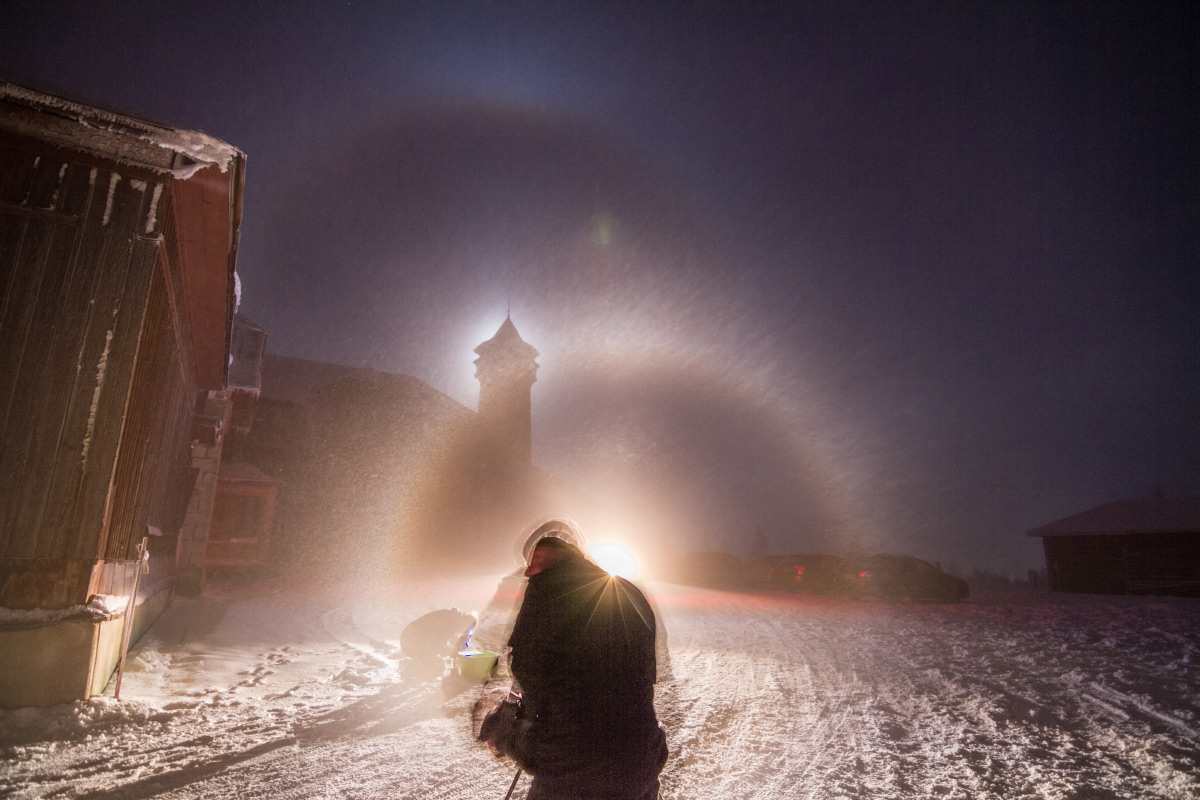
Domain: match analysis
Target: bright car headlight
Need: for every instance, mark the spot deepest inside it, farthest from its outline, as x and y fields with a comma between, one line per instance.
x=615, y=559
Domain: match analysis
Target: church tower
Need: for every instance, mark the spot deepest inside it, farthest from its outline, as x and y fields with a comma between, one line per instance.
x=506, y=370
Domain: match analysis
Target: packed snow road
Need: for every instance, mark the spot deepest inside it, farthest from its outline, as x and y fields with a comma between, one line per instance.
x=273, y=691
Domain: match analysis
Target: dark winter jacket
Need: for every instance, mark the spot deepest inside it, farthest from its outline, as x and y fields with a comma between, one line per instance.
x=583, y=654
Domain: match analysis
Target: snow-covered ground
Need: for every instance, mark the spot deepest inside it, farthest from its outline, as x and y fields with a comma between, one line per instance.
x=279, y=689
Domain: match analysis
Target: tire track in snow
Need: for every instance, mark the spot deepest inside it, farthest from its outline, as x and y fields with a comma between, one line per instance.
x=726, y=741
x=339, y=623
x=1112, y=699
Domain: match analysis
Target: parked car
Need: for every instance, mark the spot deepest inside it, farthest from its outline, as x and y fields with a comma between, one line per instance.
x=713, y=569
x=813, y=574
x=896, y=577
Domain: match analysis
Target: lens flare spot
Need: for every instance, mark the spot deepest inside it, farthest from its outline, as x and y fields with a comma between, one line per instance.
x=615, y=559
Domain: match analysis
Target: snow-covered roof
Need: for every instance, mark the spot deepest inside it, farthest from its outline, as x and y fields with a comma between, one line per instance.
x=124, y=138
x=295, y=380
x=1147, y=515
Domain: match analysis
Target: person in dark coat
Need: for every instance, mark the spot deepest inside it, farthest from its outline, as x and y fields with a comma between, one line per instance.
x=583, y=656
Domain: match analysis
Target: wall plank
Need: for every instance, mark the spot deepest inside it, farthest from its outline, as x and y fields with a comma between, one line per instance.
x=127, y=263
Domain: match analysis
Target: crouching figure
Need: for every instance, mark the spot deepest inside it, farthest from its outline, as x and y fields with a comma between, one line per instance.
x=583, y=657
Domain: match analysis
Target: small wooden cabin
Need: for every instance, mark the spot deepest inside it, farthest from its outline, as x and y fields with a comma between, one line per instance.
x=240, y=534
x=118, y=239
x=1148, y=546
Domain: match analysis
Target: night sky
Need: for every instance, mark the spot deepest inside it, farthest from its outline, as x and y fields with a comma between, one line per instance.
x=908, y=277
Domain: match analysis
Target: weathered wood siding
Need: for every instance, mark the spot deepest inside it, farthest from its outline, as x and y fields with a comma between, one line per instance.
x=1130, y=563
x=152, y=466
x=94, y=391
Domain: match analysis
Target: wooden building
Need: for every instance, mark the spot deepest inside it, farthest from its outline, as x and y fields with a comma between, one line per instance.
x=1147, y=546
x=118, y=239
x=240, y=533
x=351, y=449
x=243, y=513
x=382, y=471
